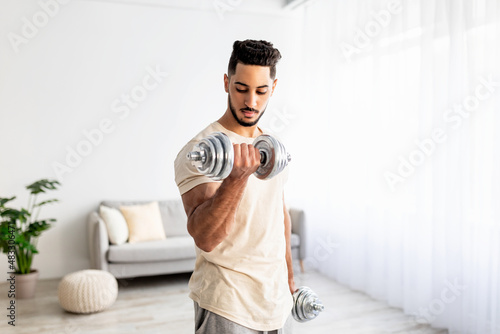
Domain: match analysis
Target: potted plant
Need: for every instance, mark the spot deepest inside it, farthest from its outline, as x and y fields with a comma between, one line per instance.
x=19, y=232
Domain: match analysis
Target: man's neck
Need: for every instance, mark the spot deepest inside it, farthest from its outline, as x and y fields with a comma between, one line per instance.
x=231, y=124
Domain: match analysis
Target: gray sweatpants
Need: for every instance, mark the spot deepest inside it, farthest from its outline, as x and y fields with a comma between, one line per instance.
x=206, y=322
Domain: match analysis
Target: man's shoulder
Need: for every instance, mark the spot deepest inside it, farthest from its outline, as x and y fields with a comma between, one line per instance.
x=186, y=175
x=209, y=129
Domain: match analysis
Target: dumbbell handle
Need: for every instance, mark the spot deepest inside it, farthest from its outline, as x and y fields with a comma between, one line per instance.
x=318, y=307
x=213, y=156
x=263, y=157
x=196, y=156
x=200, y=155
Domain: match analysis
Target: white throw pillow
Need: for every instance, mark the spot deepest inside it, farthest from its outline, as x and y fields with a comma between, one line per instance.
x=115, y=224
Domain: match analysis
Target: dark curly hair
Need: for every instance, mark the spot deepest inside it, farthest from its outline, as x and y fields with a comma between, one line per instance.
x=252, y=52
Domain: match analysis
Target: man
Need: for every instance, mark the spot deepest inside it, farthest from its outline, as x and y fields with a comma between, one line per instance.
x=243, y=278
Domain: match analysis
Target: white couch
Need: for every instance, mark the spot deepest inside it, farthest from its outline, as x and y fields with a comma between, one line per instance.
x=174, y=254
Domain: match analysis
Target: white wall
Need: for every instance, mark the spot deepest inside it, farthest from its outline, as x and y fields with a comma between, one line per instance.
x=63, y=81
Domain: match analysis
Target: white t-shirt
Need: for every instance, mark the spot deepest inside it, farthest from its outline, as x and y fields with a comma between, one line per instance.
x=245, y=278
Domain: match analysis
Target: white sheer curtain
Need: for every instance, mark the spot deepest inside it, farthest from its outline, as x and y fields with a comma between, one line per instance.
x=402, y=113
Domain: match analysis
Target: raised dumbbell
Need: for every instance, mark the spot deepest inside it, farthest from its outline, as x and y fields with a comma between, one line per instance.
x=306, y=305
x=213, y=156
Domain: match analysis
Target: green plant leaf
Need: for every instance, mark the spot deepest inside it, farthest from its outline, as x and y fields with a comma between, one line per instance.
x=5, y=233
x=13, y=214
x=4, y=200
x=36, y=228
x=25, y=233
x=47, y=202
x=41, y=185
x=21, y=241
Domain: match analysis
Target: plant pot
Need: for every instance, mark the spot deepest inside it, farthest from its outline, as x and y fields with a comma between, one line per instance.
x=26, y=285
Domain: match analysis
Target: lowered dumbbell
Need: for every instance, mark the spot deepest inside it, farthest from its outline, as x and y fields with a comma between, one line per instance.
x=306, y=305
x=213, y=156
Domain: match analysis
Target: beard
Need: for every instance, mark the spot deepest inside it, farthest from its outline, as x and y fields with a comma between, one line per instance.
x=242, y=121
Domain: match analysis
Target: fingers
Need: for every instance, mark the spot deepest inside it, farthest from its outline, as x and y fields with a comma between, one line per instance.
x=256, y=154
x=237, y=151
x=246, y=160
x=250, y=155
x=246, y=154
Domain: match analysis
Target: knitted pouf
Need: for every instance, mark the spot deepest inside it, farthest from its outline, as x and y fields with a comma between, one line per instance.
x=87, y=291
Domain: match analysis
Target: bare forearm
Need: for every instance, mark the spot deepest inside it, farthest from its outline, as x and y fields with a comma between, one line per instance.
x=289, y=263
x=212, y=221
x=288, y=256
x=211, y=211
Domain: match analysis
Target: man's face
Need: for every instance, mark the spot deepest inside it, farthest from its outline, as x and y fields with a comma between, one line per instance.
x=249, y=90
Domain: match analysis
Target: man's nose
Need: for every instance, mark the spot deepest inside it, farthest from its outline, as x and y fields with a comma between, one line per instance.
x=251, y=101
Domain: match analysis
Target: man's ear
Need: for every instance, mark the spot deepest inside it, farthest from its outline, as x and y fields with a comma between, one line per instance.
x=274, y=86
x=226, y=83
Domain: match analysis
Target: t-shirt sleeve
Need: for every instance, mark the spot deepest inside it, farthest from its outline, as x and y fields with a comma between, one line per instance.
x=186, y=175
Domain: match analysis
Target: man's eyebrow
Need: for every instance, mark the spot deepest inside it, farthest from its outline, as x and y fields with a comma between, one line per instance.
x=242, y=84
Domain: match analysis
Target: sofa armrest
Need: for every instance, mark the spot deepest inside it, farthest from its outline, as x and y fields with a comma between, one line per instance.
x=299, y=227
x=98, y=242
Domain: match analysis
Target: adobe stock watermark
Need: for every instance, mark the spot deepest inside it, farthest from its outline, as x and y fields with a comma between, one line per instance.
x=437, y=306
x=121, y=106
x=372, y=29
x=31, y=27
x=323, y=250
x=453, y=117
x=222, y=6
x=280, y=119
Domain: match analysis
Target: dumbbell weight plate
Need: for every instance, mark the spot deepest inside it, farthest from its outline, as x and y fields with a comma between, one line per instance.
x=227, y=156
x=309, y=312
x=306, y=306
x=296, y=305
x=213, y=156
x=282, y=157
x=300, y=304
x=206, y=166
x=270, y=148
x=218, y=156
x=295, y=308
x=314, y=307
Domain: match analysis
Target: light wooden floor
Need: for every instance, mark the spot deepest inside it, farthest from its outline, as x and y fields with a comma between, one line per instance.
x=160, y=305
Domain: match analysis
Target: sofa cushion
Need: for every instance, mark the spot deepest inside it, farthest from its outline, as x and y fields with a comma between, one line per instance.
x=172, y=213
x=173, y=248
x=115, y=224
x=144, y=222
x=174, y=218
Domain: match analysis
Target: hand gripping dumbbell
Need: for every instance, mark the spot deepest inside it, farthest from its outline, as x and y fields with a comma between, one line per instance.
x=213, y=156
x=306, y=305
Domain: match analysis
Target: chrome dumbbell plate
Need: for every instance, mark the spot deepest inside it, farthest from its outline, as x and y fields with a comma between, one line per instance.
x=228, y=155
x=274, y=157
x=213, y=156
x=306, y=306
